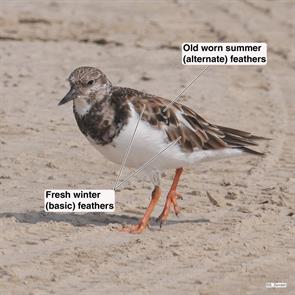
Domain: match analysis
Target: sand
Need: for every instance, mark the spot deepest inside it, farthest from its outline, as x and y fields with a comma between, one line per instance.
x=234, y=245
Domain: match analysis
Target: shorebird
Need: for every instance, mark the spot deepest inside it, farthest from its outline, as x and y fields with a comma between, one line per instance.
x=107, y=116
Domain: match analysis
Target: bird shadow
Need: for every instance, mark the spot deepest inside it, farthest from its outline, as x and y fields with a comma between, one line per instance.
x=98, y=219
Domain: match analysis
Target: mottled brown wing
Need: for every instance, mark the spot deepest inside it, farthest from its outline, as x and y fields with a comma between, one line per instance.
x=195, y=132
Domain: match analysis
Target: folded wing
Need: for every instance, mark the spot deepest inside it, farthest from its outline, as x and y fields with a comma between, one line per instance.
x=195, y=132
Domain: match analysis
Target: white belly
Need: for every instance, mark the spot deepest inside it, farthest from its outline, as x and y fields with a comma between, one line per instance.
x=149, y=141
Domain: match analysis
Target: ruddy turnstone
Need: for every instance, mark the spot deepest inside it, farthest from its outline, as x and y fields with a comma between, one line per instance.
x=107, y=116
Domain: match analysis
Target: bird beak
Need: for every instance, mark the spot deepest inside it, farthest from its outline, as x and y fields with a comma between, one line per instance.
x=72, y=94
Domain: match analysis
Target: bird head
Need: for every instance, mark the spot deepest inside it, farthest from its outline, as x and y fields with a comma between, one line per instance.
x=88, y=85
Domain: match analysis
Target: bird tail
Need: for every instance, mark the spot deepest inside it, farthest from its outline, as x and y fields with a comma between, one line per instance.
x=249, y=151
x=241, y=139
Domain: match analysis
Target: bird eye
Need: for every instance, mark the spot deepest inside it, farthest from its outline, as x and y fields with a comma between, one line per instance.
x=90, y=82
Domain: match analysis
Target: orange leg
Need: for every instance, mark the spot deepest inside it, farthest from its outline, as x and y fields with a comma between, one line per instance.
x=143, y=223
x=171, y=198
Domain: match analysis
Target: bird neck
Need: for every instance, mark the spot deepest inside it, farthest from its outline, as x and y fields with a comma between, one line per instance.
x=99, y=101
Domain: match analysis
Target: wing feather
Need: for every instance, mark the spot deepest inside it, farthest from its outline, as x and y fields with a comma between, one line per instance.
x=195, y=131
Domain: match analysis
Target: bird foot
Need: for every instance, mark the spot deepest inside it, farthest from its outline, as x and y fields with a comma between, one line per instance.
x=144, y=222
x=174, y=202
x=134, y=229
x=171, y=199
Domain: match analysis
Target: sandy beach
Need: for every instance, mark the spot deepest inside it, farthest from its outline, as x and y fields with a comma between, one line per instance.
x=235, y=245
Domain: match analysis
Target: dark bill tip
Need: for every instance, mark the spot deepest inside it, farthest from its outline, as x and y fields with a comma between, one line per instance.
x=72, y=94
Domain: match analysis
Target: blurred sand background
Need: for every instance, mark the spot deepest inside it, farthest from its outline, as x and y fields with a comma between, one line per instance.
x=235, y=247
